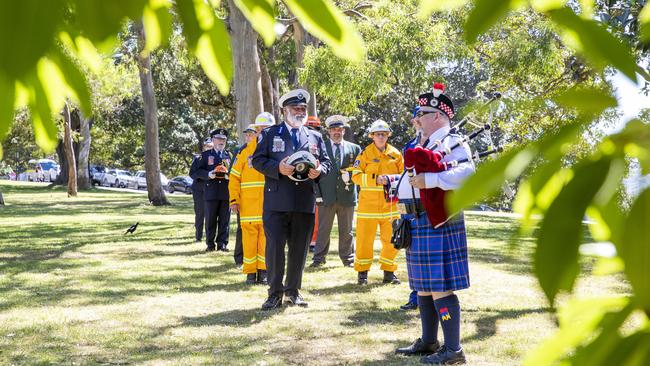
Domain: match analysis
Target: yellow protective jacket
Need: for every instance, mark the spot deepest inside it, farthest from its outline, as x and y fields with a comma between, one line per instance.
x=246, y=186
x=370, y=164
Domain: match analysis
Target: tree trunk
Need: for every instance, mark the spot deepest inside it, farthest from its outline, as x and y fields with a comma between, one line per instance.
x=267, y=89
x=83, y=174
x=301, y=39
x=62, y=179
x=151, y=149
x=69, y=152
x=248, y=76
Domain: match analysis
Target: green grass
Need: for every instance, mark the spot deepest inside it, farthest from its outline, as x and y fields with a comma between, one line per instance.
x=75, y=290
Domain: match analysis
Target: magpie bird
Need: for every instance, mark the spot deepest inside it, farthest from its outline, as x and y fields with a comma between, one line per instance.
x=132, y=228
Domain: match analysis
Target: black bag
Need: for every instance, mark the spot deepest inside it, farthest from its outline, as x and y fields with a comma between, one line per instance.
x=401, y=237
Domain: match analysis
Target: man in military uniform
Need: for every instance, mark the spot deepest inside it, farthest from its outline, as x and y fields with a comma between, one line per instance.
x=337, y=194
x=198, y=191
x=288, y=212
x=214, y=169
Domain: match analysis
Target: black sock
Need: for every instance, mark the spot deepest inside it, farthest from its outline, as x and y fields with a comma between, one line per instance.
x=449, y=313
x=429, y=319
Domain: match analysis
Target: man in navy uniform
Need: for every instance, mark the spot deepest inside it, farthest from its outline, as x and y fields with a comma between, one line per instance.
x=288, y=205
x=198, y=191
x=337, y=194
x=213, y=168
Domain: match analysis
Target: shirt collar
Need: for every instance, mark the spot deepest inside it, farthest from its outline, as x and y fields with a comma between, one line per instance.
x=438, y=135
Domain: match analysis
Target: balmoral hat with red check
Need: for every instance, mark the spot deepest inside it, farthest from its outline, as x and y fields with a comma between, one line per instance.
x=437, y=101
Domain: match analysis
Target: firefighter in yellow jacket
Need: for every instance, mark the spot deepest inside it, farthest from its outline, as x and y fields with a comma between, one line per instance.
x=246, y=188
x=377, y=166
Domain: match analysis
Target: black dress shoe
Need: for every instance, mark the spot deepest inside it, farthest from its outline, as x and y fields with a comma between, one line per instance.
x=222, y=248
x=419, y=348
x=348, y=264
x=445, y=356
x=210, y=249
x=389, y=277
x=409, y=306
x=362, y=278
x=272, y=302
x=262, y=278
x=296, y=300
x=316, y=264
x=251, y=278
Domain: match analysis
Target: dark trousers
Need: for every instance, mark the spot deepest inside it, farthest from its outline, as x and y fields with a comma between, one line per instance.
x=344, y=216
x=199, y=213
x=239, y=249
x=294, y=230
x=217, y=219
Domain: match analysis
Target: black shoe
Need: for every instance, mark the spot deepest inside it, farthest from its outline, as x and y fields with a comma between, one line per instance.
x=312, y=248
x=445, y=356
x=409, y=306
x=316, y=264
x=362, y=278
x=198, y=239
x=419, y=348
x=272, y=302
x=210, y=249
x=251, y=278
x=389, y=277
x=296, y=300
x=222, y=248
x=348, y=264
x=262, y=278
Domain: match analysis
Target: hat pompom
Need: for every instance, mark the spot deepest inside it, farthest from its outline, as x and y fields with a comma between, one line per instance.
x=438, y=88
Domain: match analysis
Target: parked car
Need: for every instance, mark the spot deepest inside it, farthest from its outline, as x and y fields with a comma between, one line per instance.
x=180, y=184
x=140, y=180
x=96, y=174
x=43, y=170
x=117, y=178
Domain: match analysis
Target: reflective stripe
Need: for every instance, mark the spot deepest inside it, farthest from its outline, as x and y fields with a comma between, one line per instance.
x=385, y=260
x=250, y=260
x=250, y=218
x=252, y=185
x=372, y=215
x=235, y=172
x=372, y=189
x=363, y=261
x=261, y=258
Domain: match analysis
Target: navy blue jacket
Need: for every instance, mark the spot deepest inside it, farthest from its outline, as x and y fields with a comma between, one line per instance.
x=198, y=183
x=281, y=193
x=215, y=189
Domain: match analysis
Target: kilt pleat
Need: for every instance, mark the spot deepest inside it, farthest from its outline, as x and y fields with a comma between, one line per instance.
x=437, y=258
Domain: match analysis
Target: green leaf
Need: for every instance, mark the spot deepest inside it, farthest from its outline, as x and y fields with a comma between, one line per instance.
x=101, y=19
x=428, y=6
x=45, y=130
x=325, y=21
x=157, y=21
x=634, y=248
x=599, y=46
x=75, y=79
x=208, y=39
x=260, y=14
x=579, y=319
x=8, y=92
x=27, y=29
x=644, y=19
x=485, y=14
x=635, y=141
x=546, y=5
x=556, y=256
x=587, y=100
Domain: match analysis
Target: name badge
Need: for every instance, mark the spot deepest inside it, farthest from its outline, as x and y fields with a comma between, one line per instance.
x=210, y=160
x=278, y=144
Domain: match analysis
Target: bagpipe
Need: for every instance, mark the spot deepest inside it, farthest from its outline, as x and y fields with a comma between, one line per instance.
x=429, y=160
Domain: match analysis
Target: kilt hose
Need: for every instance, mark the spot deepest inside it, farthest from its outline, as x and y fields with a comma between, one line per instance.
x=437, y=258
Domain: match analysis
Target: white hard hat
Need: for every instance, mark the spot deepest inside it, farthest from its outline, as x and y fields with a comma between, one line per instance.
x=294, y=97
x=380, y=126
x=264, y=119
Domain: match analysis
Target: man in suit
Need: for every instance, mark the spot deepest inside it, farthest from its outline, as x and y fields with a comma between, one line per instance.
x=288, y=212
x=337, y=194
x=198, y=192
x=214, y=169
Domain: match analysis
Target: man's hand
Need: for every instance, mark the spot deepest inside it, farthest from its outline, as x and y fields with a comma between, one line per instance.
x=418, y=181
x=212, y=174
x=221, y=169
x=286, y=169
x=314, y=173
x=382, y=180
x=234, y=208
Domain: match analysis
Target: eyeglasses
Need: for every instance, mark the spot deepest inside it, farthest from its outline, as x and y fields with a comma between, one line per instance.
x=422, y=113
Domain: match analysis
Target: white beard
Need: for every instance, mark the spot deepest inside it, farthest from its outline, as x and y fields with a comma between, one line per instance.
x=295, y=121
